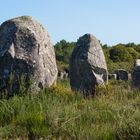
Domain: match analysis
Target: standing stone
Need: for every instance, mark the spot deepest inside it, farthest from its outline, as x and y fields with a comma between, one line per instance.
x=121, y=74
x=26, y=53
x=136, y=74
x=87, y=65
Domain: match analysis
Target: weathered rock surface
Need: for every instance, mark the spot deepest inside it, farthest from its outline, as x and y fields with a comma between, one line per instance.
x=112, y=76
x=136, y=74
x=87, y=65
x=121, y=74
x=26, y=52
x=62, y=75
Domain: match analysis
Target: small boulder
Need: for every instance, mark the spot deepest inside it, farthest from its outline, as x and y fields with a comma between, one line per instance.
x=26, y=53
x=112, y=76
x=87, y=65
x=63, y=73
x=121, y=74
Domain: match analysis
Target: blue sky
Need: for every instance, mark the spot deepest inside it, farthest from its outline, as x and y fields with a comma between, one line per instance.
x=111, y=21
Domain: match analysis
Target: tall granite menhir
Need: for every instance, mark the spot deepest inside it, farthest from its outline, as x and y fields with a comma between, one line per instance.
x=87, y=66
x=26, y=53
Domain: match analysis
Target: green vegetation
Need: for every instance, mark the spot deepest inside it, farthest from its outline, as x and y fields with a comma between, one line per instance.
x=63, y=50
x=117, y=57
x=58, y=113
x=121, y=56
x=120, y=53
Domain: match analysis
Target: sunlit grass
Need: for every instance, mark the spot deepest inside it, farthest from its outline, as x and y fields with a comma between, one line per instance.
x=58, y=113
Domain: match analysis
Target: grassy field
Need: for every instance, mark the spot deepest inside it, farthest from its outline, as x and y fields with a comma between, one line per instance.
x=58, y=113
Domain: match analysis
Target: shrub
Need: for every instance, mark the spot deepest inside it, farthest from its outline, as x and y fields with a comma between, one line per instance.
x=120, y=53
x=133, y=53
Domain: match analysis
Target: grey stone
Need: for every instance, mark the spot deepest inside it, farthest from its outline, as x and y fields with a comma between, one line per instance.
x=87, y=65
x=26, y=51
x=129, y=76
x=63, y=74
x=136, y=74
x=121, y=74
x=112, y=76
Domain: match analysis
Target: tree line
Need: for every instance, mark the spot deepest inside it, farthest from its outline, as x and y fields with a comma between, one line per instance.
x=117, y=56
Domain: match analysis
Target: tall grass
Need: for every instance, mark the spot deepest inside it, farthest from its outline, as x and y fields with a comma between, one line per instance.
x=58, y=113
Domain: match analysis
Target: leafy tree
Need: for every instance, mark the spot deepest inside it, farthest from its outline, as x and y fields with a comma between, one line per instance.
x=133, y=53
x=105, y=46
x=131, y=45
x=120, y=53
x=137, y=48
x=63, y=50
